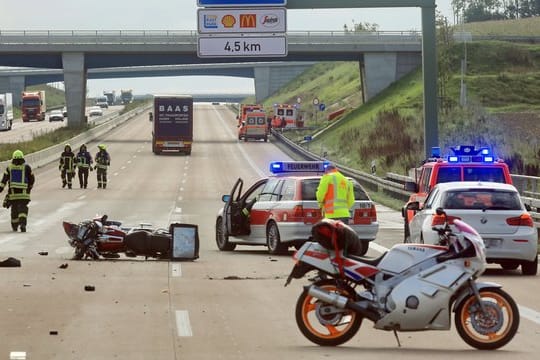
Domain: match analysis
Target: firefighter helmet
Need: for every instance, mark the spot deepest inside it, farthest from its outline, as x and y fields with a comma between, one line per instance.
x=18, y=154
x=101, y=147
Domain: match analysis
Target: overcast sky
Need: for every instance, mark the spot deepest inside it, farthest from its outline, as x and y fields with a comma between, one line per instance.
x=182, y=15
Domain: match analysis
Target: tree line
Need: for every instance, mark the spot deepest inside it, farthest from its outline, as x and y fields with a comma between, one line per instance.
x=484, y=10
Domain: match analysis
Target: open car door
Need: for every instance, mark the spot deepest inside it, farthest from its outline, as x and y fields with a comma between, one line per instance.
x=232, y=211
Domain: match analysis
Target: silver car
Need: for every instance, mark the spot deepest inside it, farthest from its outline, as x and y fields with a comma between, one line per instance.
x=495, y=210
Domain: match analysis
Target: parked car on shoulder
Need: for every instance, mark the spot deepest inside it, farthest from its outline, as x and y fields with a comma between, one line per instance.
x=279, y=211
x=495, y=210
x=56, y=115
x=64, y=111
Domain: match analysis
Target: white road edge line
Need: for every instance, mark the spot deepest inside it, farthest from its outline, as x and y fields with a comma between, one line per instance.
x=183, y=326
x=176, y=270
x=524, y=312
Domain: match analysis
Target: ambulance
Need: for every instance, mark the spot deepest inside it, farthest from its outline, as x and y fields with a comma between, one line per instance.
x=286, y=115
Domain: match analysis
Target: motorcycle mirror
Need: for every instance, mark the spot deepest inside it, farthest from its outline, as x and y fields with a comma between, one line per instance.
x=104, y=218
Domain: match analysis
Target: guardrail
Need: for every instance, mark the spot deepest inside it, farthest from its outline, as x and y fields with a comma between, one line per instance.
x=191, y=37
x=103, y=126
x=393, y=184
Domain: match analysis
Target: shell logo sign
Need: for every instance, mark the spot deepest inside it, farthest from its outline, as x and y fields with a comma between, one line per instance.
x=228, y=21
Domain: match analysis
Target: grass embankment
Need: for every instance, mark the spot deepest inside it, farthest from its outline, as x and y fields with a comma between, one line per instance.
x=503, y=83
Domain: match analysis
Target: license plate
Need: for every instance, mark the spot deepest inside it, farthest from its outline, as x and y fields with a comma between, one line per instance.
x=492, y=243
x=174, y=144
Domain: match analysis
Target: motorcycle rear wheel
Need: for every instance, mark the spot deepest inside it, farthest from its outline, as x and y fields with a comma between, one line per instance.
x=492, y=329
x=326, y=329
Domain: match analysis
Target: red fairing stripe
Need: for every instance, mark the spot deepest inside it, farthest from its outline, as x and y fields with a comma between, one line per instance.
x=316, y=254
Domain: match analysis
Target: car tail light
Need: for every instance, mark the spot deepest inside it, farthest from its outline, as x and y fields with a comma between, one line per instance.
x=522, y=220
x=439, y=219
x=298, y=211
x=365, y=216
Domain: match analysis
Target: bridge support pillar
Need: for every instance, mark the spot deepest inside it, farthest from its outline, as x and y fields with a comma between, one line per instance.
x=379, y=70
x=75, y=87
x=268, y=79
x=14, y=85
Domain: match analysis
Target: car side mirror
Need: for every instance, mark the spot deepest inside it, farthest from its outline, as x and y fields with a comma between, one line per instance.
x=411, y=186
x=528, y=207
x=414, y=205
x=225, y=198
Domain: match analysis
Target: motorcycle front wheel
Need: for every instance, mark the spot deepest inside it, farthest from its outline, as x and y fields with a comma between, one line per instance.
x=489, y=329
x=325, y=324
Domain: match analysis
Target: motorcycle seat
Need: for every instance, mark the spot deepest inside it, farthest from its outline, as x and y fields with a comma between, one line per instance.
x=369, y=261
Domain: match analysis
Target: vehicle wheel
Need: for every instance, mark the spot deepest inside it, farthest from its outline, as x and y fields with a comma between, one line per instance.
x=222, y=239
x=365, y=248
x=245, y=139
x=529, y=267
x=273, y=240
x=266, y=139
x=492, y=329
x=324, y=324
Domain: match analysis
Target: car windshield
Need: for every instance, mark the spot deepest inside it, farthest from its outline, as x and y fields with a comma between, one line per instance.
x=481, y=199
x=471, y=173
x=309, y=190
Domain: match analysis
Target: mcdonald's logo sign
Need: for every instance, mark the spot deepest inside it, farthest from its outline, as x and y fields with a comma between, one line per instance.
x=248, y=20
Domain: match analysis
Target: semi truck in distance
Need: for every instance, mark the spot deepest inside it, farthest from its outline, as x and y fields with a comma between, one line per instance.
x=111, y=97
x=6, y=111
x=172, y=128
x=126, y=96
x=33, y=105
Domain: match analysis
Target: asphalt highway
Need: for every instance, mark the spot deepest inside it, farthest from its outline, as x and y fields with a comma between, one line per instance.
x=224, y=305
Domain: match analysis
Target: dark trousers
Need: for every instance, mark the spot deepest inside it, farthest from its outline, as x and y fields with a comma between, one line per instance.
x=101, y=178
x=19, y=213
x=83, y=177
x=66, y=177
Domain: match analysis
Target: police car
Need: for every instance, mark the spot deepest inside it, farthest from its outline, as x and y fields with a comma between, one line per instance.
x=279, y=211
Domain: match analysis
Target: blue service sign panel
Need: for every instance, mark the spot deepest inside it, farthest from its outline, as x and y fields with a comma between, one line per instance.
x=233, y=3
x=308, y=138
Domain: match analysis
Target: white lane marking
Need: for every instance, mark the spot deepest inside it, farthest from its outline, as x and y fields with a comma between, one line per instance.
x=529, y=314
x=178, y=210
x=524, y=312
x=129, y=162
x=241, y=148
x=180, y=198
x=183, y=327
x=176, y=270
x=122, y=168
x=115, y=174
x=7, y=239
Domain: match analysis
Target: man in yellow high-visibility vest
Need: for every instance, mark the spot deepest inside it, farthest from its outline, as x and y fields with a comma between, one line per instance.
x=335, y=195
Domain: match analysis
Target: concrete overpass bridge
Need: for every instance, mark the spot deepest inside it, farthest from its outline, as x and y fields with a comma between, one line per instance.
x=383, y=57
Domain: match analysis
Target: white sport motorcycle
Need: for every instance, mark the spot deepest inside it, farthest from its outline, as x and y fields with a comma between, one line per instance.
x=412, y=287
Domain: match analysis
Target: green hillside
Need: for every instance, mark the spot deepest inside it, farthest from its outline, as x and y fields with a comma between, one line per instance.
x=503, y=83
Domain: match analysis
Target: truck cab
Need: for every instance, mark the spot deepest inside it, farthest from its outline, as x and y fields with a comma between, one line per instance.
x=466, y=163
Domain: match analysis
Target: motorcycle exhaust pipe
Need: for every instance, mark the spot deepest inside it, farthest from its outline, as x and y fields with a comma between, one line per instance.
x=342, y=302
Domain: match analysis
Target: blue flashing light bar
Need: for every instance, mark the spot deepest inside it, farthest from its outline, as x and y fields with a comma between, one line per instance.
x=280, y=167
x=436, y=151
x=453, y=159
x=489, y=159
